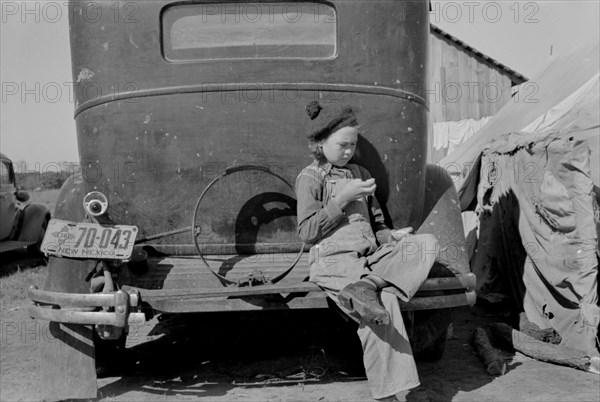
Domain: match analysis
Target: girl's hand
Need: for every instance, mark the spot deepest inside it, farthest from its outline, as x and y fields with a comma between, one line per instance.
x=355, y=189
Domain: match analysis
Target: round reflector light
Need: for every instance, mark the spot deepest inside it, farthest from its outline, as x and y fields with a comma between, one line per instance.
x=95, y=203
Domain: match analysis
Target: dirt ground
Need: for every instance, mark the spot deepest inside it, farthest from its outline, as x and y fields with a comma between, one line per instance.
x=262, y=356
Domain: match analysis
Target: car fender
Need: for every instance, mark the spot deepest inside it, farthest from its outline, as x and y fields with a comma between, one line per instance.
x=444, y=220
x=69, y=205
x=33, y=223
x=66, y=274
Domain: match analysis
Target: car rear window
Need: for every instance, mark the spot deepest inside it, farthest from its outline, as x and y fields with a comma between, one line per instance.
x=249, y=31
x=5, y=176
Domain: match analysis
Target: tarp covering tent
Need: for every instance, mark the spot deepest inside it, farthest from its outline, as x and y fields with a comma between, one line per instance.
x=532, y=173
x=562, y=77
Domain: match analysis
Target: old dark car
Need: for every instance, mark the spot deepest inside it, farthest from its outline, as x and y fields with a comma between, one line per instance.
x=191, y=130
x=22, y=224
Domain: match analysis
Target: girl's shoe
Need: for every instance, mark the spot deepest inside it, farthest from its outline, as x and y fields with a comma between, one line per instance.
x=360, y=297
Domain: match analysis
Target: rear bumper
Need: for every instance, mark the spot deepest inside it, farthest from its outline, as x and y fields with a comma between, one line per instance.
x=435, y=293
x=75, y=308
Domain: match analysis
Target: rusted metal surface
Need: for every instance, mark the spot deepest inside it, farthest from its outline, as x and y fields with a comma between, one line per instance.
x=434, y=302
x=167, y=272
x=295, y=301
x=270, y=302
x=225, y=248
x=166, y=138
x=176, y=272
x=234, y=291
x=149, y=295
x=466, y=282
x=178, y=284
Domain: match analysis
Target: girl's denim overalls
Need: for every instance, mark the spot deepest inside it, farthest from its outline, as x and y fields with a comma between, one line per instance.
x=348, y=253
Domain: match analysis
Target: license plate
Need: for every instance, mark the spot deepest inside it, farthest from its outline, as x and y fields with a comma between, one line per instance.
x=88, y=240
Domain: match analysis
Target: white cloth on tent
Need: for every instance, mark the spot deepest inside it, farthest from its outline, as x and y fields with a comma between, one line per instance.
x=450, y=134
x=562, y=76
x=440, y=135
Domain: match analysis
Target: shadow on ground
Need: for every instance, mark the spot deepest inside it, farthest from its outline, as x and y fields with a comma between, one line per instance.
x=194, y=355
x=459, y=369
x=211, y=354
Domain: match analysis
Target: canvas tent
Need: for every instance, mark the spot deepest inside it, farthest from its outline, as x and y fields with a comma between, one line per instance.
x=532, y=175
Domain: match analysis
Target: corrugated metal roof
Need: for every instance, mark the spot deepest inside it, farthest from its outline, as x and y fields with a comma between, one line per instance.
x=516, y=78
